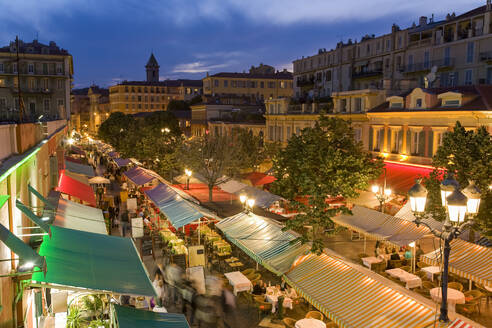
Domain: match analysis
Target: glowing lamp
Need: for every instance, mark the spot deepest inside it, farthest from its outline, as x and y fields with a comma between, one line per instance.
x=243, y=199
x=387, y=192
x=447, y=187
x=375, y=189
x=418, y=197
x=456, y=204
x=251, y=202
x=472, y=193
x=412, y=244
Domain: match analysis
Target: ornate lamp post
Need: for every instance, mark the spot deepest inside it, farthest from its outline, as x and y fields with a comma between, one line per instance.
x=459, y=207
x=188, y=176
x=248, y=203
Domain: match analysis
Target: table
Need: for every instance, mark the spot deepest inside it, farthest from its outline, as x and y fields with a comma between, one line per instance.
x=410, y=280
x=310, y=323
x=239, y=281
x=368, y=261
x=454, y=297
x=236, y=264
x=431, y=271
x=273, y=298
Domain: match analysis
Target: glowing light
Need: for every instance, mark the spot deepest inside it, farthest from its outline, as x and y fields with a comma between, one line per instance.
x=28, y=265
x=403, y=157
x=243, y=198
x=387, y=192
x=375, y=188
x=70, y=141
x=412, y=244
x=251, y=202
x=45, y=218
x=384, y=155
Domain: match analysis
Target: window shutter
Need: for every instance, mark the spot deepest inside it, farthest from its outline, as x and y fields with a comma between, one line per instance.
x=370, y=137
x=431, y=143
x=400, y=141
x=409, y=141
x=422, y=143
x=388, y=140
x=381, y=139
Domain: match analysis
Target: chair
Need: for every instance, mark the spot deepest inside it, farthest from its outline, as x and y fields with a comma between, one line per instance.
x=255, y=277
x=289, y=322
x=362, y=255
x=259, y=298
x=406, y=268
x=263, y=307
x=487, y=294
x=378, y=267
x=455, y=285
x=467, y=309
x=428, y=285
x=421, y=264
x=314, y=315
x=422, y=275
x=475, y=295
x=393, y=264
x=248, y=272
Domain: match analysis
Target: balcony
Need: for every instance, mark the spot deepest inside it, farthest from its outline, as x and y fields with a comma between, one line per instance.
x=486, y=56
x=367, y=73
x=420, y=67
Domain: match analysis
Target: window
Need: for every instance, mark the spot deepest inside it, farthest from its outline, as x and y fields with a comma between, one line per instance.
x=45, y=84
x=59, y=84
x=414, y=142
x=426, y=59
x=59, y=68
x=282, y=85
x=288, y=132
x=343, y=105
x=453, y=79
x=271, y=85
x=328, y=76
x=468, y=77
x=3, y=103
x=396, y=141
x=1, y=67
x=126, y=106
x=60, y=104
x=410, y=62
x=399, y=42
x=357, y=134
x=46, y=105
x=216, y=83
x=447, y=56
x=469, y=52
x=270, y=133
x=378, y=144
x=139, y=98
x=439, y=137
x=262, y=84
x=418, y=103
x=45, y=68
x=32, y=106
x=451, y=103
x=30, y=68
x=388, y=45
x=226, y=83
x=357, y=105
x=32, y=84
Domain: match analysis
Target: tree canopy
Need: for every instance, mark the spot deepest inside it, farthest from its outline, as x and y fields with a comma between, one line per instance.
x=321, y=163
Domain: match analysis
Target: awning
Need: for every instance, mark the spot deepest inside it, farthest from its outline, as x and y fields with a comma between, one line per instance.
x=120, y=162
x=99, y=180
x=401, y=177
x=232, y=186
x=260, y=179
x=113, y=154
x=178, y=211
x=352, y=299
x=467, y=260
x=128, y=317
x=76, y=189
x=79, y=217
x=139, y=176
x=79, y=168
x=259, y=237
x=406, y=213
x=262, y=198
x=382, y=226
x=79, y=177
x=77, y=150
x=74, y=160
x=282, y=262
x=94, y=261
x=46, y=202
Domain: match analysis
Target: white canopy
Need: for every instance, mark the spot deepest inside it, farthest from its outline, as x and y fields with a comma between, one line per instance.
x=76, y=216
x=99, y=180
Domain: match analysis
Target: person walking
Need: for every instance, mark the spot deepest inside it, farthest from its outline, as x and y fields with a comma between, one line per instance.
x=125, y=223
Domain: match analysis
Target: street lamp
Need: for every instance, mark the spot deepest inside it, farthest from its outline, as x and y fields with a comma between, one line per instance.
x=248, y=203
x=458, y=204
x=382, y=193
x=188, y=176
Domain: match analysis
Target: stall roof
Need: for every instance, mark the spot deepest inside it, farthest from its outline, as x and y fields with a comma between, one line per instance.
x=260, y=179
x=262, y=198
x=72, y=187
x=94, y=261
x=79, y=168
x=352, y=299
x=232, y=186
x=139, y=175
x=120, y=162
x=113, y=154
x=467, y=260
x=382, y=226
x=177, y=210
x=79, y=177
x=79, y=217
x=128, y=317
x=259, y=237
x=405, y=213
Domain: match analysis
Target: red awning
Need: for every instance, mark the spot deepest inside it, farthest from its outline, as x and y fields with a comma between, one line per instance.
x=260, y=179
x=72, y=187
x=401, y=177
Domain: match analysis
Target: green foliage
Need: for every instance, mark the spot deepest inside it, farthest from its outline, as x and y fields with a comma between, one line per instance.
x=93, y=305
x=321, y=163
x=99, y=323
x=250, y=149
x=469, y=155
x=74, y=318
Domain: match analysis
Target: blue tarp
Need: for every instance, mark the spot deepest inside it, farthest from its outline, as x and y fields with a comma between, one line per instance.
x=122, y=161
x=139, y=176
x=178, y=211
x=80, y=168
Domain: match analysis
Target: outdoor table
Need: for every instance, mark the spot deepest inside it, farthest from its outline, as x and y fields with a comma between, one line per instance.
x=408, y=278
x=310, y=323
x=368, y=261
x=272, y=296
x=222, y=254
x=231, y=259
x=454, y=297
x=239, y=282
x=431, y=271
x=160, y=309
x=235, y=264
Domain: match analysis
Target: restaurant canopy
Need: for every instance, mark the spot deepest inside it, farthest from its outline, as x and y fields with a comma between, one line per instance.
x=260, y=179
x=259, y=237
x=74, y=188
x=406, y=213
x=79, y=217
x=351, y=298
x=139, y=175
x=127, y=317
x=79, y=177
x=232, y=186
x=262, y=198
x=178, y=211
x=400, y=177
x=381, y=226
x=93, y=261
x=120, y=162
x=79, y=168
x=468, y=260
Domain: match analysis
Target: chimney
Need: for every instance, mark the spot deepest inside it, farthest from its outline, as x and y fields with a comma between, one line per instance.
x=422, y=20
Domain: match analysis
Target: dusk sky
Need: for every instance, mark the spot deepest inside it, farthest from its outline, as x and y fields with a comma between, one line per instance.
x=111, y=40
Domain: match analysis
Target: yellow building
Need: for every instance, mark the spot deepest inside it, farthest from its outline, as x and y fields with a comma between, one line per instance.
x=259, y=84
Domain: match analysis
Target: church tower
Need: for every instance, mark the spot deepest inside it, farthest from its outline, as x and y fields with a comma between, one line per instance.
x=152, y=69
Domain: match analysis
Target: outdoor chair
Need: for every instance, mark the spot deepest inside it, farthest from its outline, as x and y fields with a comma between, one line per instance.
x=314, y=315
x=476, y=296
x=248, y=272
x=487, y=294
x=289, y=322
x=421, y=264
x=255, y=277
x=428, y=284
x=406, y=268
x=259, y=298
x=379, y=267
x=263, y=307
x=455, y=285
x=467, y=309
x=362, y=255
x=393, y=264
x=422, y=275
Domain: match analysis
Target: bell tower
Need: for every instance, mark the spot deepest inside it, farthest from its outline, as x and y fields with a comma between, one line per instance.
x=152, y=69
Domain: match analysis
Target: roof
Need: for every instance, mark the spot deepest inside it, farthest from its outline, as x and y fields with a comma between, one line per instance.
x=128, y=317
x=478, y=97
x=166, y=83
x=276, y=76
x=120, y=162
x=260, y=179
x=72, y=187
x=79, y=217
x=351, y=298
x=98, y=90
x=139, y=176
x=80, y=168
x=152, y=61
x=90, y=260
x=468, y=260
x=35, y=47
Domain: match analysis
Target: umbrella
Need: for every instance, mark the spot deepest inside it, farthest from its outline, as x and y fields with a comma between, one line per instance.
x=98, y=180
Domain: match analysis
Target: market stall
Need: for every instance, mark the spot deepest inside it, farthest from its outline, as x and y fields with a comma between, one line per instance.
x=127, y=317
x=76, y=189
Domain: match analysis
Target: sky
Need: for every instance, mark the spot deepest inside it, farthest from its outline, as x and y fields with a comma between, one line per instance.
x=111, y=40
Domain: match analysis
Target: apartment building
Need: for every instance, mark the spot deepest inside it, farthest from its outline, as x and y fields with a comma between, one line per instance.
x=457, y=49
x=35, y=81
x=260, y=83
x=90, y=107
x=151, y=95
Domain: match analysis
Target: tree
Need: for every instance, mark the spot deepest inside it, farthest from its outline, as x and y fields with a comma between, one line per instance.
x=212, y=157
x=321, y=163
x=251, y=149
x=175, y=105
x=468, y=154
x=116, y=129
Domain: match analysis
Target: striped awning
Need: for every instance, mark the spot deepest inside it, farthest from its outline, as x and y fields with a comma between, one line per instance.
x=352, y=299
x=382, y=226
x=458, y=323
x=139, y=175
x=467, y=260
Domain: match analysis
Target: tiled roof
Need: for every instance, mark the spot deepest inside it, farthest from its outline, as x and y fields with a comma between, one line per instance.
x=276, y=76
x=166, y=83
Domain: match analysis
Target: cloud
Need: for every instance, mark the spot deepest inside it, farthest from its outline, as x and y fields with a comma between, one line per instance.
x=200, y=67
x=221, y=54
x=288, y=66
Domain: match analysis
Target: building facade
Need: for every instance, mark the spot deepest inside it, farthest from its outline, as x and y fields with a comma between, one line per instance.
x=151, y=95
x=90, y=107
x=457, y=50
x=35, y=81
